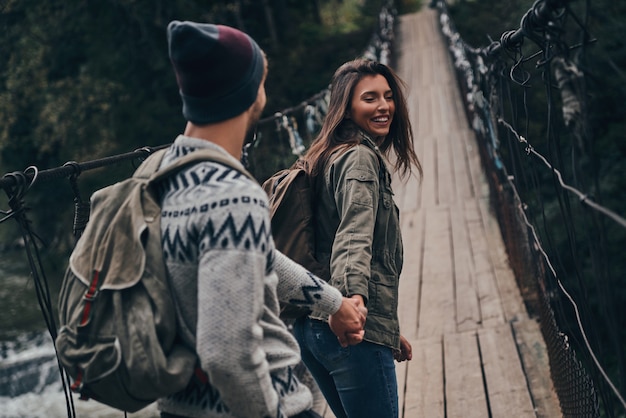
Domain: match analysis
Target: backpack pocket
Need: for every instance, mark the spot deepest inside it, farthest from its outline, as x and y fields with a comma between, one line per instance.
x=94, y=357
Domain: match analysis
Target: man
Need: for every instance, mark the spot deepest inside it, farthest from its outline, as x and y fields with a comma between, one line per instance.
x=226, y=275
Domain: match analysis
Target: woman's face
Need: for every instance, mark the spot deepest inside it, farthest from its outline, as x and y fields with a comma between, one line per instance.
x=372, y=105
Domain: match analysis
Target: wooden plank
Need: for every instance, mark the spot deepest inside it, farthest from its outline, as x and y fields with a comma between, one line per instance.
x=419, y=145
x=536, y=364
x=410, y=279
x=429, y=188
x=458, y=109
x=462, y=175
x=442, y=105
x=477, y=173
x=446, y=189
x=484, y=277
x=405, y=47
x=328, y=413
x=438, y=56
x=507, y=389
x=465, y=394
x=436, y=315
x=466, y=298
x=438, y=103
x=512, y=302
x=425, y=381
x=407, y=192
x=450, y=92
x=428, y=23
x=401, y=372
x=399, y=191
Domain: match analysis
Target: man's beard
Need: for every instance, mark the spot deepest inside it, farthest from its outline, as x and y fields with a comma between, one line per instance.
x=254, y=118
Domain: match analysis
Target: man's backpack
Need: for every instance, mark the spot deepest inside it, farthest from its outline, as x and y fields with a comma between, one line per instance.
x=291, y=195
x=118, y=337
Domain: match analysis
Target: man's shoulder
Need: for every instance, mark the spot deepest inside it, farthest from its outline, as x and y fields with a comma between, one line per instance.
x=216, y=176
x=213, y=185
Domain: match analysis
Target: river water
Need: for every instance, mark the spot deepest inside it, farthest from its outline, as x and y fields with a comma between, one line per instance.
x=30, y=383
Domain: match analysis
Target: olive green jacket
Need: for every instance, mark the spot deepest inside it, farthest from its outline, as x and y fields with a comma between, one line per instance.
x=358, y=236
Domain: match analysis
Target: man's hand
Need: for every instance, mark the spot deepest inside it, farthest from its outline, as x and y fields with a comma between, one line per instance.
x=347, y=323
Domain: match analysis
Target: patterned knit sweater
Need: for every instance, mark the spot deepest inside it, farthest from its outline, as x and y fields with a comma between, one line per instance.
x=225, y=276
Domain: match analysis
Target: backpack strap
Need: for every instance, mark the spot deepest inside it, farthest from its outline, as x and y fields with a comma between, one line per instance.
x=149, y=169
x=150, y=165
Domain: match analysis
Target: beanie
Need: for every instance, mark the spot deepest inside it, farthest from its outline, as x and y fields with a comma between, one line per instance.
x=218, y=69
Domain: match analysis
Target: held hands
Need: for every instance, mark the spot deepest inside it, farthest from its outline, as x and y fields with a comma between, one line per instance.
x=405, y=352
x=347, y=323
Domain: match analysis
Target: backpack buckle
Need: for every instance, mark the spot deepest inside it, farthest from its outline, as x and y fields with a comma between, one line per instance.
x=91, y=295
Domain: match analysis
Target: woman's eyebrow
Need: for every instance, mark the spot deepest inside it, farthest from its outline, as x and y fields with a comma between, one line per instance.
x=375, y=92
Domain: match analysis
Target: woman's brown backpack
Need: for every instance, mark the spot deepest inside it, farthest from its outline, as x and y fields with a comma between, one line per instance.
x=291, y=197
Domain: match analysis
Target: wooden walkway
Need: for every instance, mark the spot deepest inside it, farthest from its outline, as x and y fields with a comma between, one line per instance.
x=476, y=353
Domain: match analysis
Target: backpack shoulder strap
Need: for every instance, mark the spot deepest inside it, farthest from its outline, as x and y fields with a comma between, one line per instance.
x=149, y=169
x=150, y=165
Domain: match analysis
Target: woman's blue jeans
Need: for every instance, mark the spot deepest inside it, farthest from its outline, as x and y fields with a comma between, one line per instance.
x=357, y=381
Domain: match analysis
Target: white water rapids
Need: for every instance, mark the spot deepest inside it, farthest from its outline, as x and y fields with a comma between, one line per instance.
x=34, y=368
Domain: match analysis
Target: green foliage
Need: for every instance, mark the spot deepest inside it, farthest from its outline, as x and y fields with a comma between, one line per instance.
x=484, y=21
x=410, y=6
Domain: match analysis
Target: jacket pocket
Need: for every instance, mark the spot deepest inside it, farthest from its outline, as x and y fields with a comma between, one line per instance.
x=387, y=249
x=383, y=295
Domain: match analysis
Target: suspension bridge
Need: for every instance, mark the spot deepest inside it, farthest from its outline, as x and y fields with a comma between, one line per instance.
x=480, y=320
x=476, y=351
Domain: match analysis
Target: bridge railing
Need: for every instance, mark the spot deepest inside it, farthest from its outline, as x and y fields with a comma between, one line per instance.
x=486, y=78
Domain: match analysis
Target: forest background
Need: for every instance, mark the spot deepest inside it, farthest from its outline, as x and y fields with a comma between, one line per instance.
x=84, y=80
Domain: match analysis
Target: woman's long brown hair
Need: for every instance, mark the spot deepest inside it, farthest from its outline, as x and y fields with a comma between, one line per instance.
x=337, y=132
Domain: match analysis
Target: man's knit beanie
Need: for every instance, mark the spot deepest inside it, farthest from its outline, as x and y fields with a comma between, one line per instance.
x=218, y=69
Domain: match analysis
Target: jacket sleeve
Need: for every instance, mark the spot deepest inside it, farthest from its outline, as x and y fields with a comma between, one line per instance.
x=231, y=286
x=355, y=184
x=298, y=286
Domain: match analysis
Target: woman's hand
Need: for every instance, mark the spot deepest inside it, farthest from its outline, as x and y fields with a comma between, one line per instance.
x=405, y=352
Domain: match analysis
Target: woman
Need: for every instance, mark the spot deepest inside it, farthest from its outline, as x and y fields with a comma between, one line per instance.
x=358, y=237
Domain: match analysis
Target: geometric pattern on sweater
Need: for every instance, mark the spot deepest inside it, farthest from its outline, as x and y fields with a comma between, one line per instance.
x=203, y=395
x=182, y=245
x=199, y=174
x=182, y=241
x=287, y=385
x=207, y=398
x=309, y=292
